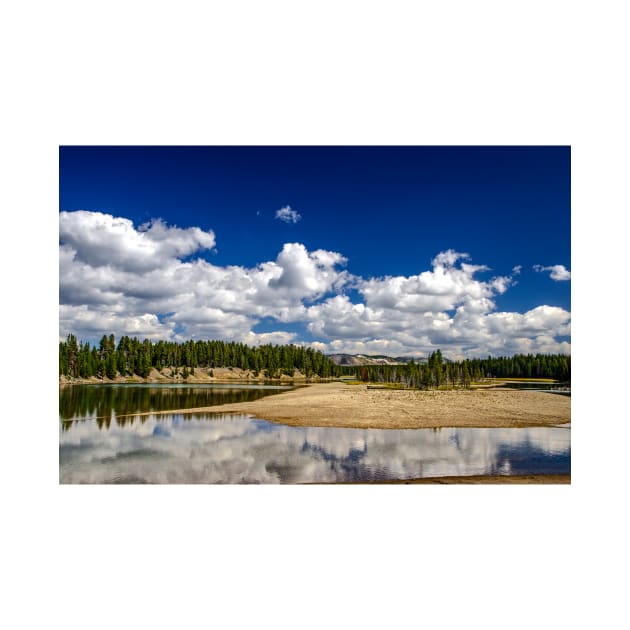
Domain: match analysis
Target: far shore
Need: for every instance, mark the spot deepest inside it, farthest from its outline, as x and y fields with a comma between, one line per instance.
x=339, y=404
x=200, y=376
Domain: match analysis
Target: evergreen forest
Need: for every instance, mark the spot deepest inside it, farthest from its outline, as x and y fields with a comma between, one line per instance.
x=134, y=357
x=437, y=372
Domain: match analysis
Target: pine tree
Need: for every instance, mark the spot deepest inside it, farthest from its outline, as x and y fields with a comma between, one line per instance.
x=466, y=375
x=72, y=354
x=110, y=367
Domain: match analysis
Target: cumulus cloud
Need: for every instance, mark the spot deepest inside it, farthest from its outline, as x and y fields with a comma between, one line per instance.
x=115, y=278
x=278, y=337
x=438, y=290
x=138, y=284
x=516, y=270
x=446, y=307
x=287, y=215
x=558, y=272
x=99, y=239
x=307, y=274
x=91, y=323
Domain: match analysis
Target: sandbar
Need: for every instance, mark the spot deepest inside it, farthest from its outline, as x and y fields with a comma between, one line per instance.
x=355, y=406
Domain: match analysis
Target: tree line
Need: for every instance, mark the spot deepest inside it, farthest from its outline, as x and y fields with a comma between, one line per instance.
x=131, y=357
x=134, y=357
x=437, y=372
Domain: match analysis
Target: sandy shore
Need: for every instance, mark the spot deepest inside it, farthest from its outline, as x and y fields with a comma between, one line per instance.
x=482, y=479
x=201, y=375
x=354, y=406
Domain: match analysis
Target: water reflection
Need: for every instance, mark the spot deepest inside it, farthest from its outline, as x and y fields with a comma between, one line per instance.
x=108, y=402
x=241, y=449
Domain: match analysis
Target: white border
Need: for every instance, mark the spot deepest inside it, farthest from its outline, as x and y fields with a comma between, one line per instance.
x=325, y=73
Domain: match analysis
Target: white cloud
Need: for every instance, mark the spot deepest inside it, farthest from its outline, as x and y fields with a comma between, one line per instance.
x=307, y=274
x=258, y=339
x=446, y=307
x=100, y=239
x=448, y=258
x=136, y=283
x=501, y=283
x=287, y=215
x=558, y=272
x=516, y=270
x=88, y=323
x=441, y=289
x=110, y=291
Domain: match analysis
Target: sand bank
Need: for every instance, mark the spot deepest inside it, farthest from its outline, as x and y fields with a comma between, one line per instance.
x=482, y=479
x=354, y=406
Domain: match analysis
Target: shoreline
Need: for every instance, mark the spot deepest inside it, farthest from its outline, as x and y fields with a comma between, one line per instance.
x=201, y=376
x=341, y=405
x=552, y=479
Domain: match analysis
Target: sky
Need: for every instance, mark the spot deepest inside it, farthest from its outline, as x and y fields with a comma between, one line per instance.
x=373, y=250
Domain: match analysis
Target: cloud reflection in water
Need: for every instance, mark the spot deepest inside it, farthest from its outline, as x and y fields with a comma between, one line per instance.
x=242, y=449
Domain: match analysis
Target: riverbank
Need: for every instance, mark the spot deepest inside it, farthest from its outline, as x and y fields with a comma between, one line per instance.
x=355, y=406
x=480, y=479
x=201, y=375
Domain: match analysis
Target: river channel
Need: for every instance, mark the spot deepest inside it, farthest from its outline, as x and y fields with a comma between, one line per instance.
x=101, y=441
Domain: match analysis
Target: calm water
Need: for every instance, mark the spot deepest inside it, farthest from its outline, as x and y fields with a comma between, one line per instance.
x=563, y=389
x=212, y=448
x=105, y=402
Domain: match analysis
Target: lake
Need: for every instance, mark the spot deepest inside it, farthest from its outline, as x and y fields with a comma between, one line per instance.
x=96, y=445
x=105, y=402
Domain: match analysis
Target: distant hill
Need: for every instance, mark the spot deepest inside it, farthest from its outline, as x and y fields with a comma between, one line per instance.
x=369, y=359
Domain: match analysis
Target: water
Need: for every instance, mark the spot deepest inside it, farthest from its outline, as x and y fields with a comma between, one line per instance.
x=105, y=403
x=212, y=448
x=564, y=389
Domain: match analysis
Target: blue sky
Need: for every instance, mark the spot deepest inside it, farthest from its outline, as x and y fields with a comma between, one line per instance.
x=381, y=215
